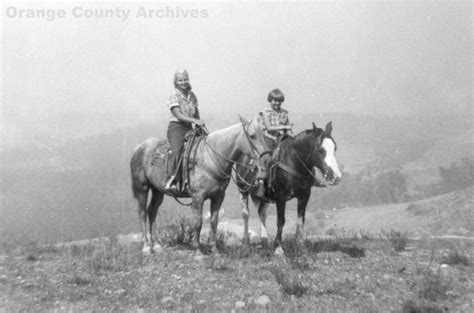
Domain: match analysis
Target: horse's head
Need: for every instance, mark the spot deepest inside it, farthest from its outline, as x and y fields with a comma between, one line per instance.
x=255, y=143
x=323, y=155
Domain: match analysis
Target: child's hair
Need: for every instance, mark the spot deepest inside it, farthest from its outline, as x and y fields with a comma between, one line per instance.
x=276, y=94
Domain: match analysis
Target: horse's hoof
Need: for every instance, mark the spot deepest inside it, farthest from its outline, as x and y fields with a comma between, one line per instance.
x=245, y=251
x=199, y=256
x=279, y=252
x=194, y=245
x=157, y=247
x=215, y=253
x=147, y=250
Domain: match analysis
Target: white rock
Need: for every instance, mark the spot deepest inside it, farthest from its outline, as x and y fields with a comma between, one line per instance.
x=263, y=300
x=168, y=300
x=239, y=304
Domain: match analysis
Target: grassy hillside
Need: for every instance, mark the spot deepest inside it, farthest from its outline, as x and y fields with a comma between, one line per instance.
x=342, y=274
x=449, y=214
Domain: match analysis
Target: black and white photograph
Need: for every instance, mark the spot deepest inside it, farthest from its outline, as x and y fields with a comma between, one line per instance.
x=239, y=156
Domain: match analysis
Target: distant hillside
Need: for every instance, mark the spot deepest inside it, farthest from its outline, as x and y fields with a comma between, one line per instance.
x=449, y=214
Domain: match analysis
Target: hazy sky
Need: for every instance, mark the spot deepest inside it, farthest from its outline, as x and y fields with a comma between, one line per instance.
x=358, y=57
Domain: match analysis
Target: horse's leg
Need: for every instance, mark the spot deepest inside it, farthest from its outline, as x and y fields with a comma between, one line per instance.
x=262, y=214
x=216, y=203
x=156, y=200
x=302, y=203
x=196, y=206
x=244, y=200
x=280, y=204
x=142, y=198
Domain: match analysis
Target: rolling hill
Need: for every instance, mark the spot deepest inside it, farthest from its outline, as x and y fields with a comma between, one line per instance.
x=447, y=215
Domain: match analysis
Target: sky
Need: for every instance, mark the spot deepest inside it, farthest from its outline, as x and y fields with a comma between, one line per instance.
x=75, y=74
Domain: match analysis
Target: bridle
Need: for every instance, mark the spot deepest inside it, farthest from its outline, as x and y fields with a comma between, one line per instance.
x=294, y=172
x=252, y=145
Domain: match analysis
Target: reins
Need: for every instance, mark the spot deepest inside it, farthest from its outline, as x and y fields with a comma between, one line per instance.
x=214, y=153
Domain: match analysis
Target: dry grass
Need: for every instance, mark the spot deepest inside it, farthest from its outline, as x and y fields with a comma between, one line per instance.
x=348, y=273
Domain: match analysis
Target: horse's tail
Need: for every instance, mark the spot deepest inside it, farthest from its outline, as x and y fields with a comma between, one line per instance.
x=137, y=172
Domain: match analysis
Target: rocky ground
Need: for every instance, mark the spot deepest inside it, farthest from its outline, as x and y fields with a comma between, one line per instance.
x=385, y=273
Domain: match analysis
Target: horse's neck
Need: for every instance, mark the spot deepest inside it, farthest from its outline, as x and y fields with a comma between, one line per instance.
x=296, y=153
x=226, y=142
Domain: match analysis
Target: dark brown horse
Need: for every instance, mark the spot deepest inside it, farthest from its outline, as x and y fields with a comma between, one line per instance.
x=208, y=179
x=292, y=176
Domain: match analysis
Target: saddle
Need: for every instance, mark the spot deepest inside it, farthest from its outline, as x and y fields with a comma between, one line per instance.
x=186, y=160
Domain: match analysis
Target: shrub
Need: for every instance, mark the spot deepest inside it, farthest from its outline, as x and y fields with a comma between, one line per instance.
x=418, y=306
x=455, y=257
x=432, y=285
x=397, y=239
x=80, y=280
x=457, y=176
x=175, y=233
x=108, y=257
x=291, y=284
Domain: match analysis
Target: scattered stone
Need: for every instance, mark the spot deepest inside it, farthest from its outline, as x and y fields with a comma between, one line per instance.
x=168, y=301
x=239, y=304
x=263, y=300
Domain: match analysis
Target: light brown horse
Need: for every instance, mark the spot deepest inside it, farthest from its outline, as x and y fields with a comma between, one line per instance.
x=208, y=179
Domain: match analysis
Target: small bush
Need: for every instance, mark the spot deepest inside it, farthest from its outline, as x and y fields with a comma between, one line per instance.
x=295, y=252
x=291, y=284
x=110, y=257
x=418, y=306
x=177, y=233
x=31, y=257
x=80, y=280
x=455, y=257
x=397, y=239
x=432, y=286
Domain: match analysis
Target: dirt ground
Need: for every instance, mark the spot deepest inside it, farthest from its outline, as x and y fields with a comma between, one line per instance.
x=338, y=275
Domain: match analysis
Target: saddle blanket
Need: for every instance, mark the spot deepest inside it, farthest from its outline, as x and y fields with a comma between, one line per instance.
x=160, y=155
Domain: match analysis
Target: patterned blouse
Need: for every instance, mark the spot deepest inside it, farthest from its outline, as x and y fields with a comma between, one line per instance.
x=276, y=118
x=187, y=104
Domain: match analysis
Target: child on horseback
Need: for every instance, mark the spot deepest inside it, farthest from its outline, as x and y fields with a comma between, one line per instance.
x=277, y=124
x=184, y=110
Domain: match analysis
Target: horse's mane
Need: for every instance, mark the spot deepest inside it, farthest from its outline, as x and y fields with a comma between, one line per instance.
x=300, y=138
x=232, y=127
x=224, y=130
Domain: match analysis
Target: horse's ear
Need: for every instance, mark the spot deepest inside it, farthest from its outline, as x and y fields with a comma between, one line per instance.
x=243, y=120
x=328, y=129
x=314, y=127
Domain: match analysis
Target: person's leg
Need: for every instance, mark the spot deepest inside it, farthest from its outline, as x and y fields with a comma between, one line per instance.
x=175, y=134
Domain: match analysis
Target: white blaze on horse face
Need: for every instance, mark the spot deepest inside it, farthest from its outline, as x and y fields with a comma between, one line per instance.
x=330, y=159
